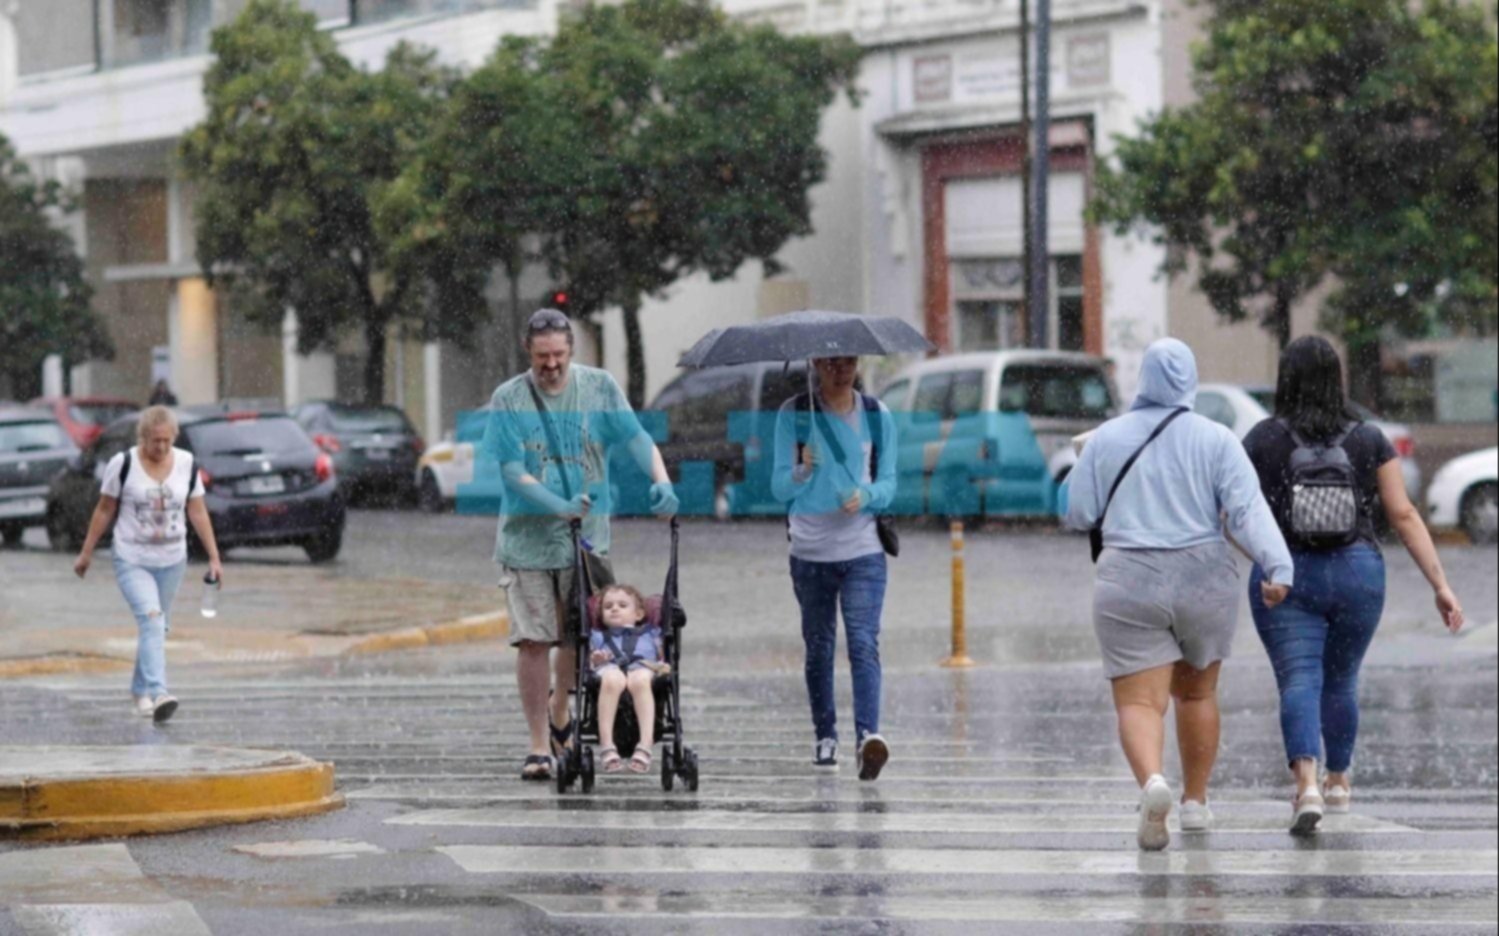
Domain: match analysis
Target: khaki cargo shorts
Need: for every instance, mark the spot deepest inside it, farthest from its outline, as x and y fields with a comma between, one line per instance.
x=537, y=600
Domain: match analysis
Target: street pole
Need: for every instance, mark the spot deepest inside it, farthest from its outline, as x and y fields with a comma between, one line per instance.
x=1025, y=169
x=1040, y=169
x=959, y=658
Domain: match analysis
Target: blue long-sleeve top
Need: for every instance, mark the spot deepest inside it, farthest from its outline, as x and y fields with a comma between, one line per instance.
x=820, y=531
x=1191, y=481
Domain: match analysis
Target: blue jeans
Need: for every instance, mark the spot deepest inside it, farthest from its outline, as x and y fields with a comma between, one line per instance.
x=859, y=586
x=1316, y=640
x=149, y=592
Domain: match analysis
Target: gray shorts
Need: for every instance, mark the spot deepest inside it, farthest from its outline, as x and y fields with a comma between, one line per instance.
x=1155, y=607
x=537, y=600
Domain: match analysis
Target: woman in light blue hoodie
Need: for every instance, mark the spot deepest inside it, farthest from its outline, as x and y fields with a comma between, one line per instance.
x=1166, y=602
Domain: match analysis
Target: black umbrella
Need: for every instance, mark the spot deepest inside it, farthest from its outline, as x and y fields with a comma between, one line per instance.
x=800, y=336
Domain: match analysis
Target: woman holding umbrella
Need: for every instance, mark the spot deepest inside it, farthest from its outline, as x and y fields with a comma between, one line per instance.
x=835, y=468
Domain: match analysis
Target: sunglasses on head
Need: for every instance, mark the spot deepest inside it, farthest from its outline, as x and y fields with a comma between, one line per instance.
x=550, y=321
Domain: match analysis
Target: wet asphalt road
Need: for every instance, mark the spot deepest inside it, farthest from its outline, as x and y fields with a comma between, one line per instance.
x=1006, y=807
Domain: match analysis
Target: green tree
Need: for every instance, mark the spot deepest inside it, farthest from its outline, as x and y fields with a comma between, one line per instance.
x=44, y=296
x=1351, y=139
x=648, y=141
x=297, y=153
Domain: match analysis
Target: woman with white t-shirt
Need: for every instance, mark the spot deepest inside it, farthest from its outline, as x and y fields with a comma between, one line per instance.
x=150, y=506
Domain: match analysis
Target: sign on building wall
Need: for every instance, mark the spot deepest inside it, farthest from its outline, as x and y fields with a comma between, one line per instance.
x=1088, y=60
x=932, y=77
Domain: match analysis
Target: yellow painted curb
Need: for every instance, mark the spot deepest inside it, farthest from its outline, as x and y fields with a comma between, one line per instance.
x=52, y=665
x=84, y=808
x=471, y=629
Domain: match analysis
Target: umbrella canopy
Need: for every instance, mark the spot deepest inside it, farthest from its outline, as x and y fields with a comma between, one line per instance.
x=799, y=336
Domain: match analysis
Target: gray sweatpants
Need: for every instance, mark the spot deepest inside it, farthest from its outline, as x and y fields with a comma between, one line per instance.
x=1154, y=607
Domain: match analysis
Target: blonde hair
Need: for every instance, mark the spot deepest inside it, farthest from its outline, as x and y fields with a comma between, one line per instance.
x=153, y=418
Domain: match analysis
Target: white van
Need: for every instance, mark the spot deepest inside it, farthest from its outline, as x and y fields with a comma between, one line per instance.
x=1063, y=394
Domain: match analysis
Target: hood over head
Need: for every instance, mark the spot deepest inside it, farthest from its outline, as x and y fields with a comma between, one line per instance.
x=1168, y=376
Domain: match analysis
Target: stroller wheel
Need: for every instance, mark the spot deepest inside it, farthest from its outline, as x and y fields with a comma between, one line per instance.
x=668, y=769
x=563, y=780
x=689, y=770
x=587, y=772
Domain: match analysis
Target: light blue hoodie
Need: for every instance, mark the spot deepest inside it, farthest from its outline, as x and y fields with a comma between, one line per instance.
x=1196, y=473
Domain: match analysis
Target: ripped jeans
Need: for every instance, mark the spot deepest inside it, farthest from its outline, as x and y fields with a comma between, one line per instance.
x=149, y=592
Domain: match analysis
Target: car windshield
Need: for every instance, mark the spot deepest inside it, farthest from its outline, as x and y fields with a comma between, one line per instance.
x=99, y=414
x=21, y=437
x=368, y=419
x=230, y=437
x=1056, y=392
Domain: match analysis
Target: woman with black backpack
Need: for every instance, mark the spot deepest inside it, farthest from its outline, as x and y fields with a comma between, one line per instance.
x=1324, y=474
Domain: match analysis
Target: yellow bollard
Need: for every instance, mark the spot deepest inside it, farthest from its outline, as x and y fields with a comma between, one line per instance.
x=959, y=658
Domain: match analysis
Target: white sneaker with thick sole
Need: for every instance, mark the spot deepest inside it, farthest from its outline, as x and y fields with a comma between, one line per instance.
x=825, y=755
x=1309, y=807
x=164, y=708
x=1196, y=817
x=144, y=706
x=1155, y=807
x=1339, y=799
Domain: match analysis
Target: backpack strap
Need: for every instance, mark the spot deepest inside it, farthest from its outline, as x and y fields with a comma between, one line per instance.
x=876, y=432
x=1335, y=442
x=124, y=471
x=192, y=477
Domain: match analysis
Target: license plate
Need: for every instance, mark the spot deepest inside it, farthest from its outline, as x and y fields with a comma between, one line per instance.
x=23, y=507
x=269, y=484
x=377, y=454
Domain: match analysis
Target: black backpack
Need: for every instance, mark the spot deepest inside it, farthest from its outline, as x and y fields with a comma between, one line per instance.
x=192, y=479
x=1324, y=509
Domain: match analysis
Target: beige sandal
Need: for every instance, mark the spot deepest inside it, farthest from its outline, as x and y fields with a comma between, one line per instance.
x=641, y=762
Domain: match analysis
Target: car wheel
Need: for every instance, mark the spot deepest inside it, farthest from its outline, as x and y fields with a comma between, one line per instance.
x=325, y=546
x=1481, y=513
x=59, y=537
x=429, y=495
x=13, y=536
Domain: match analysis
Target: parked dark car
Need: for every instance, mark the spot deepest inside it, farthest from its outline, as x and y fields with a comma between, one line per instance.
x=84, y=417
x=698, y=407
x=33, y=448
x=266, y=483
x=374, y=448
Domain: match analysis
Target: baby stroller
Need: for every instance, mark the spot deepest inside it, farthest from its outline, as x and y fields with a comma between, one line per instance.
x=678, y=762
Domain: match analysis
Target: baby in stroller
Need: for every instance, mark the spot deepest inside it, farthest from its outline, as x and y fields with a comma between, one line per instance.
x=625, y=656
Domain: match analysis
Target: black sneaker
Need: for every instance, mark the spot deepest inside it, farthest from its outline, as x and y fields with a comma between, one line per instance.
x=825, y=754
x=874, y=753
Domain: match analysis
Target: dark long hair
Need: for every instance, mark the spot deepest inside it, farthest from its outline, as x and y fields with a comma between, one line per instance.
x=1309, y=394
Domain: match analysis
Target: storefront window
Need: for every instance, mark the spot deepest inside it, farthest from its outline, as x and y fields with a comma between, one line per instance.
x=988, y=303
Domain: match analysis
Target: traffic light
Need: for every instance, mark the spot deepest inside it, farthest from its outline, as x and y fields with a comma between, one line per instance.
x=560, y=301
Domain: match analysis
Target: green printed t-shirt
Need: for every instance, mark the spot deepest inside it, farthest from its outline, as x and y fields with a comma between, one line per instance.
x=589, y=416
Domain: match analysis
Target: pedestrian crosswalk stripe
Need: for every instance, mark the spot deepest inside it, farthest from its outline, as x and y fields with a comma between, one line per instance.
x=622, y=863
x=857, y=822
x=1097, y=908
x=177, y=918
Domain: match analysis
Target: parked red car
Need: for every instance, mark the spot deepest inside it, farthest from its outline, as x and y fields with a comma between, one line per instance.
x=84, y=418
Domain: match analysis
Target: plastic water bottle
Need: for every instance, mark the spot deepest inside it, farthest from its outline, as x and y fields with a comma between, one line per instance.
x=210, y=606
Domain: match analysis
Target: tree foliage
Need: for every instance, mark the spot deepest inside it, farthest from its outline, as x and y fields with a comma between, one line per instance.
x=648, y=141
x=1352, y=139
x=293, y=162
x=44, y=296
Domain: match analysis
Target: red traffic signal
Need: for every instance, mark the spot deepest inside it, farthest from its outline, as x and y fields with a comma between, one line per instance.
x=560, y=301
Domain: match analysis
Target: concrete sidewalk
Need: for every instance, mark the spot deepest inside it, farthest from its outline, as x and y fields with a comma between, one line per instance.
x=50, y=622
x=94, y=792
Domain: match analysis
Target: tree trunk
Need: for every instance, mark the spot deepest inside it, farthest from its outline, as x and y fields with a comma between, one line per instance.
x=510, y=326
x=635, y=354
x=1364, y=371
x=374, y=364
x=1281, y=323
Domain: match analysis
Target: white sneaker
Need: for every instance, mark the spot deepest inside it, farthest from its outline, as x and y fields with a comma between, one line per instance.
x=874, y=753
x=1309, y=807
x=144, y=706
x=825, y=754
x=1155, y=808
x=1339, y=799
x=164, y=708
x=1196, y=817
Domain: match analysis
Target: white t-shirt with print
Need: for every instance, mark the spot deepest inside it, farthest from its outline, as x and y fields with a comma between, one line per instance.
x=151, y=527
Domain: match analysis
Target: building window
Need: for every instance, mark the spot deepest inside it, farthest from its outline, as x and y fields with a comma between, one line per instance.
x=988, y=303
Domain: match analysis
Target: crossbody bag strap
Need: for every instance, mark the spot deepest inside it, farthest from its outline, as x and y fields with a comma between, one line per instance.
x=551, y=431
x=1136, y=457
x=876, y=431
